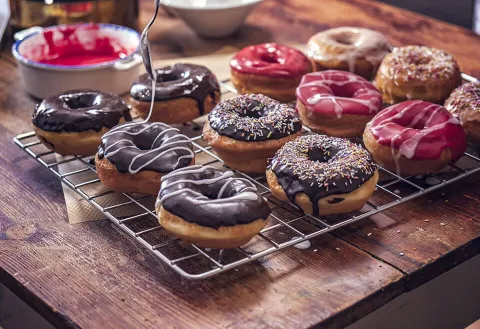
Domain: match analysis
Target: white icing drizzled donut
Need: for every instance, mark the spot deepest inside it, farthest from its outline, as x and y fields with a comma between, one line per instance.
x=228, y=176
x=349, y=44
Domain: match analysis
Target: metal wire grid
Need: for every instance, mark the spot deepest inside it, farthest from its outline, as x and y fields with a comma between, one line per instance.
x=135, y=214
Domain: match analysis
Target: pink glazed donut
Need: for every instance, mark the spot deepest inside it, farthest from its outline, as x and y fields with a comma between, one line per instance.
x=337, y=103
x=269, y=69
x=415, y=138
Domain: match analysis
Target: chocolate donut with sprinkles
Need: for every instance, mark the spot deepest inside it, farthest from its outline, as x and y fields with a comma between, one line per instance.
x=210, y=207
x=133, y=157
x=323, y=175
x=464, y=103
x=418, y=73
x=247, y=130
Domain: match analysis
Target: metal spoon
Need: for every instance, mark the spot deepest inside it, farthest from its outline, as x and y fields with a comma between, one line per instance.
x=145, y=45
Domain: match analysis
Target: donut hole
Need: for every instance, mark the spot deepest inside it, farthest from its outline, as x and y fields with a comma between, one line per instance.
x=253, y=109
x=229, y=187
x=316, y=154
x=269, y=58
x=167, y=76
x=346, y=38
x=78, y=101
x=418, y=60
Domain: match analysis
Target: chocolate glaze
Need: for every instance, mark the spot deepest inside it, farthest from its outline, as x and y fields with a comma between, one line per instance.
x=254, y=117
x=210, y=197
x=80, y=110
x=179, y=80
x=133, y=147
x=320, y=166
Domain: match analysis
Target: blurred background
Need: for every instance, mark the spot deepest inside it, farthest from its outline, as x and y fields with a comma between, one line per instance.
x=27, y=13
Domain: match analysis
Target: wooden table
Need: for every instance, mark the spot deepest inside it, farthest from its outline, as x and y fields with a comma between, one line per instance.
x=92, y=276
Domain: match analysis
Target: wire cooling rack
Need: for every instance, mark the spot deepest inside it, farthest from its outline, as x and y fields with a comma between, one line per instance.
x=135, y=214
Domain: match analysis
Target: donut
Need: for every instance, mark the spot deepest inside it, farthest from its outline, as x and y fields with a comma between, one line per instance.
x=415, y=138
x=464, y=103
x=247, y=130
x=322, y=175
x=72, y=123
x=270, y=69
x=210, y=208
x=353, y=49
x=417, y=72
x=133, y=157
x=337, y=103
x=183, y=92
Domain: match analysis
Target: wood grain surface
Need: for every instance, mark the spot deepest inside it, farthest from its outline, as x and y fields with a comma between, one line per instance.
x=92, y=276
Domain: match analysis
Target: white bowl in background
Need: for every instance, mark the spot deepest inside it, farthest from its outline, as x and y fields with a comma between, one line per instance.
x=212, y=18
x=43, y=80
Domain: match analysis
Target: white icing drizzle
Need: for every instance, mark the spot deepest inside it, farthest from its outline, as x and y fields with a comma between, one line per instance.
x=408, y=147
x=363, y=43
x=161, y=149
x=249, y=193
x=371, y=103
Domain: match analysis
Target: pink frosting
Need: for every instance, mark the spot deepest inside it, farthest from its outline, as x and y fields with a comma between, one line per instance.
x=272, y=60
x=419, y=130
x=337, y=93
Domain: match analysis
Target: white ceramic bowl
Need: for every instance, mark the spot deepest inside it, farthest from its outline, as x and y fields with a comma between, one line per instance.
x=212, y=18
x=42, y=80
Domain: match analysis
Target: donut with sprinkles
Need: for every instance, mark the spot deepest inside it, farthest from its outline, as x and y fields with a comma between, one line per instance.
x=247, y=130
x=417, y=73
x=322, y=175
x=464, y=103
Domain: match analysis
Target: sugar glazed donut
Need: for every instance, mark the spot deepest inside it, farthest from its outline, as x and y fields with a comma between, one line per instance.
x=73, y=123
x=270, y=69
x=464, y=103
x=337, y=103
x=417, y=72
x=353, y=49
x=247, y=130
x=133, y=157
x=183, y=92
x=323, y=175
x=211, y=208
x=415, y=138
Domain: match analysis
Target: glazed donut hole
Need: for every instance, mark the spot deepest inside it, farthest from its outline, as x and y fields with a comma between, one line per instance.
x=171, y=76
x=346, y=38
x=78, y=101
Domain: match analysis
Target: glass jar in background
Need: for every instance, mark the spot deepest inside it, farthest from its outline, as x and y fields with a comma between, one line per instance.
x=28, y=13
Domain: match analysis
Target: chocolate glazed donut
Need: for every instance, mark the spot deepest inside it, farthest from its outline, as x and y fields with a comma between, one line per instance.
x=247, y=130
x=133, y=157
x=323, y=175
x=210, y=207
x=74, y=122
x=183, y=92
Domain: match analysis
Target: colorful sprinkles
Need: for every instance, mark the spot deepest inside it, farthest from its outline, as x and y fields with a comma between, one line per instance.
x=419, y=63
x=319, y=166
x=464, y=98
x=254, y=118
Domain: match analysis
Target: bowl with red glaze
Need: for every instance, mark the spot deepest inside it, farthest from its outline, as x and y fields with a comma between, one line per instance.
x=67, y=57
